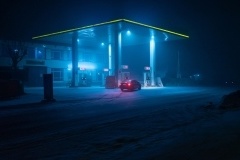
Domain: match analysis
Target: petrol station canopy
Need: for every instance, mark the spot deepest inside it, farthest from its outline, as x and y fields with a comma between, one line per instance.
x=93, y=35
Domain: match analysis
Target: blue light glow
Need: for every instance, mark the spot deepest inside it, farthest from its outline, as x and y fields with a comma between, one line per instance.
x=152, y=62
x=83, y=66
x=110, y=57
x=166, y=37
x=102, y=44
x=69, y=67
x=128, y=33
x=152, y=46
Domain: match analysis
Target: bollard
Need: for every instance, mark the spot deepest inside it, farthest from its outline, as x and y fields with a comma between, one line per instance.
x=48, y=88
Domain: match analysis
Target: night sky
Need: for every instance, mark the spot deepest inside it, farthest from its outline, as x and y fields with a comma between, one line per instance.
x=213, y=26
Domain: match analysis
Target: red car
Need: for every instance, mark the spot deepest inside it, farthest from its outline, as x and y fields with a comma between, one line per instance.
x=130, y=85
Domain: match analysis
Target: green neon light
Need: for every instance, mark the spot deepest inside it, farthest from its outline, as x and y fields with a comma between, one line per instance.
x=160, y=29
x=109, y=22
x=75, y=29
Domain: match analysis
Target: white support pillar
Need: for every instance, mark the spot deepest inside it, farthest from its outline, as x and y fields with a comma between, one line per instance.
x=152, y=60
x=119, y=57
x=110, y=59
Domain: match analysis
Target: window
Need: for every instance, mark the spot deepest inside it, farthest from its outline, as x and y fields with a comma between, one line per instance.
x=57, y=74
x=39, y=54
x=31, y=53
x=57, y=55
x=69, y=56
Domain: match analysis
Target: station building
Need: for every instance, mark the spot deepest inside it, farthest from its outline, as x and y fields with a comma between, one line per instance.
x=85, y=56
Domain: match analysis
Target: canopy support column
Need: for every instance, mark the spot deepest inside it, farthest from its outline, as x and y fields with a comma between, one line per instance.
x=74, y=60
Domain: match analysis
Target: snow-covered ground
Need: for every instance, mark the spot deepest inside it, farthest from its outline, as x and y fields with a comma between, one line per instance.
x=97, y=123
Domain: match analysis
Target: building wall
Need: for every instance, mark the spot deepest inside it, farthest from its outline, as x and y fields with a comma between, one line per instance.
x=56, y=60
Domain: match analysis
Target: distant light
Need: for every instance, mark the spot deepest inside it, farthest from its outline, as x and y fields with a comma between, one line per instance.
x=77, y=40
x=128, y=33
x=152, y=37
x=102, y=44
x=147, y=68
x=44, y=46
x=105, y=69
x=124, y=66
x=69, y=68
x=15, y=50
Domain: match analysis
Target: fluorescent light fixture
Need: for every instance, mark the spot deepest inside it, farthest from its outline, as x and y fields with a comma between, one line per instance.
x=83, y=66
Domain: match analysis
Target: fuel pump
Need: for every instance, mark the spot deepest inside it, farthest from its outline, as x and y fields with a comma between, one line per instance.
x=147, y=78
x=85, y=79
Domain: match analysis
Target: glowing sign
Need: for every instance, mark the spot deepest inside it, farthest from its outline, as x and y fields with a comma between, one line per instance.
x=82, y=68
x=124, y=66
x=105, y=69
x=147, y=68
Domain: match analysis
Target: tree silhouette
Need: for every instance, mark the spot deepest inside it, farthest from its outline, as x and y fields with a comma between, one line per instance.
x=16, y=51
